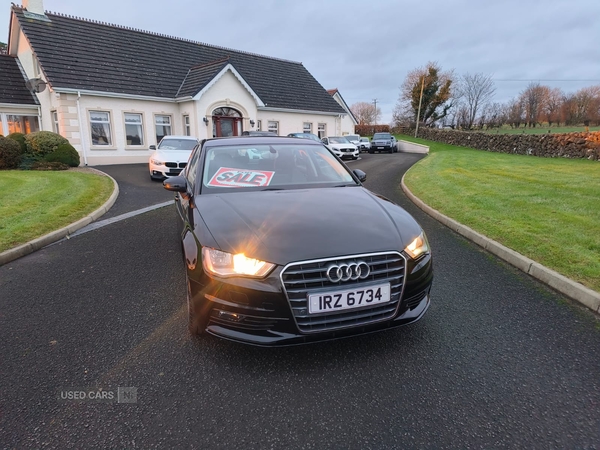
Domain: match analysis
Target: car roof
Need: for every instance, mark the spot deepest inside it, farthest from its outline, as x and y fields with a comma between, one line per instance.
x=254, y=140
x=174, y=136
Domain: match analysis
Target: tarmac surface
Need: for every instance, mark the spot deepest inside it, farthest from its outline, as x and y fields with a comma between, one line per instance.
x=499, y=360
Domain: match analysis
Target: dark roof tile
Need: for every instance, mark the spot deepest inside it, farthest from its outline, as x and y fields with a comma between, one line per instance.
x=12, y=88
x=82, y=54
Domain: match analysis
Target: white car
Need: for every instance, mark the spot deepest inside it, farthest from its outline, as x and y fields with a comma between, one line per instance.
x=341, y=146
x=354, y=138
x=364, y=144
x=171, y=156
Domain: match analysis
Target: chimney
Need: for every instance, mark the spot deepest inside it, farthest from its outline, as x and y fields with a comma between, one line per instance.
x=34, y=6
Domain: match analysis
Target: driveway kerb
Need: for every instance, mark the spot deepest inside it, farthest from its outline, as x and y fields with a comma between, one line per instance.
x=36, y=244
x=556, y=281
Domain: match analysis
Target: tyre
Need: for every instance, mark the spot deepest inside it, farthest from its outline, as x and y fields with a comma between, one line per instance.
x=371, y=151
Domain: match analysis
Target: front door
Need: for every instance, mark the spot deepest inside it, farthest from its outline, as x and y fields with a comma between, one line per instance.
x=226, y=122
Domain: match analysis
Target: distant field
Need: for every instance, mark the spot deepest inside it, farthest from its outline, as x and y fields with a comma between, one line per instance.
x=544, y=208
x=539, y=130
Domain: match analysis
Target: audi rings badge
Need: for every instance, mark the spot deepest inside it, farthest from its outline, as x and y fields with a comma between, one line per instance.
x=348, y=271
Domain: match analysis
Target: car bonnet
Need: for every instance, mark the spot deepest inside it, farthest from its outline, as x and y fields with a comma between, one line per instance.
x=304, y=224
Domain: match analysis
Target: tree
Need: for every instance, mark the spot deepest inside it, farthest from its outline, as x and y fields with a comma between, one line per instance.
x=532, y=98
x=552, y=105
x=365, y=113
x=3, y=48
x=425, y=95
x=474, y=93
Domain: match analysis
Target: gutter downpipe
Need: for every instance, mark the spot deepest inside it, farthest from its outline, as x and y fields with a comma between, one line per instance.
x=81, y=133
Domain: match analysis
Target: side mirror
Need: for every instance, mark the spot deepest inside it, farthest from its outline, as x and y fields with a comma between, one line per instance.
x=152, y=147
x=362, y=177
x=176, y=184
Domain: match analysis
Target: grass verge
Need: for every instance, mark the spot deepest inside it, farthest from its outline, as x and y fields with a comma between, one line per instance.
x=547, y=209
x=33, y=204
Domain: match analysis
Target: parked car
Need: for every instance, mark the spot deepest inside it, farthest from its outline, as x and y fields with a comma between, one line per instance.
x=341, y=146
x=383, y=142
x=314, y=137
x=274, y=253
x=364, y=144
x=171, y=156
x=354, y=138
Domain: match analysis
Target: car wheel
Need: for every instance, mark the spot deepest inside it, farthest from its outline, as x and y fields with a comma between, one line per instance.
x=371, y=151
x=196, y=321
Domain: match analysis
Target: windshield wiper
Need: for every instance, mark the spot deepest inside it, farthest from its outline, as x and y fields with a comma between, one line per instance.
x=272, y=189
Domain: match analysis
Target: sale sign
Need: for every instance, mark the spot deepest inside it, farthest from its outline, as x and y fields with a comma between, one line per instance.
x=228, y=177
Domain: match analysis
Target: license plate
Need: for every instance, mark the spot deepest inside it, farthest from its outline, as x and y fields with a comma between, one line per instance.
x=348, y=298
x=379, y=148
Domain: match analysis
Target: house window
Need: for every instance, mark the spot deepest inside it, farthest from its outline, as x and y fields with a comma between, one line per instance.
x=259, y=125
x=163, y=126
x=274, y=127
x=100, y=126
x=134, y=129
x=22, y=124
x=322, y=130
x=307, y=127
x=55, y=126
x=187, y=129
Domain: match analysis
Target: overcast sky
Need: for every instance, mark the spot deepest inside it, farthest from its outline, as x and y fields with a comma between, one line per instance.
x=366, y=48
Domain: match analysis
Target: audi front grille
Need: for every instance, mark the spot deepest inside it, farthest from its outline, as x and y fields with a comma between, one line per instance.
x=304, y=278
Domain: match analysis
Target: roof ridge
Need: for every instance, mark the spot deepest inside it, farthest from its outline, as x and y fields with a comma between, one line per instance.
x=139, y=30
x=211, y=63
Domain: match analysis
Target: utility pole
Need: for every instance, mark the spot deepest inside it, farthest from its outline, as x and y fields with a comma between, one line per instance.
x=419, y=110
x=375, y=103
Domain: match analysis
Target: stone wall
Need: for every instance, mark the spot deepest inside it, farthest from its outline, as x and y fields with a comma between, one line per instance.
x=570, y=145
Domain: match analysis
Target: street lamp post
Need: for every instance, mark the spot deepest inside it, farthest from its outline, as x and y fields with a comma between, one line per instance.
x=419, y=110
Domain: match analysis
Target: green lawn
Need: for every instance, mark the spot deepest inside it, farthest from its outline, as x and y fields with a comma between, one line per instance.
x=547, y=209
x=34, y=203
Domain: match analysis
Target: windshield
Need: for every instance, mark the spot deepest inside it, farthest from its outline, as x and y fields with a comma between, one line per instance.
x=352, y=137
x=271, y=166
x=382, y=136
x=176, y=144
x=365, y=139
x=338, y=140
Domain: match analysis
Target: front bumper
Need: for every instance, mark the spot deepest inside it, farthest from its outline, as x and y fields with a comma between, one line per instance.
x=169, y=169
x=259, y=312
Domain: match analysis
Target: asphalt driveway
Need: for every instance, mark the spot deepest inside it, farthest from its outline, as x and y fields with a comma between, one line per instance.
x=499, y=360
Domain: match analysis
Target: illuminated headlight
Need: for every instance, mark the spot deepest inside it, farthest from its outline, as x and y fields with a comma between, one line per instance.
x=225, y=264
x=418, y=247
x=158, y=162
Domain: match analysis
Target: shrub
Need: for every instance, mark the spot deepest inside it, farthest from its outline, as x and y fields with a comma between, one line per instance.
x=45, y=165
x=41, y=143
x=27, y=161
x=66, y=154
x=10, y=154
x=20, y=138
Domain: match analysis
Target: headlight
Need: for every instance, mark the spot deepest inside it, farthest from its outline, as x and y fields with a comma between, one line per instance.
x=418, y=247
x=225, y=264
x=158, y=162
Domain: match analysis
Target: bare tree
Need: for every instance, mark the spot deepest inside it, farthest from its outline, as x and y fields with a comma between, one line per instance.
x=533, y=98
x=552, y=105
x=426, y=94
x=366, y=113
x=474, y=93
x=514, y=113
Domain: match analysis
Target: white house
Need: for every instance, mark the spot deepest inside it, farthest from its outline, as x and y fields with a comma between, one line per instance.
x=113, y=91
x=348, y=121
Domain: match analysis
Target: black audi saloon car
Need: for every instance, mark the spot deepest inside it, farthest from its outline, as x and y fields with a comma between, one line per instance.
x=289, y=247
